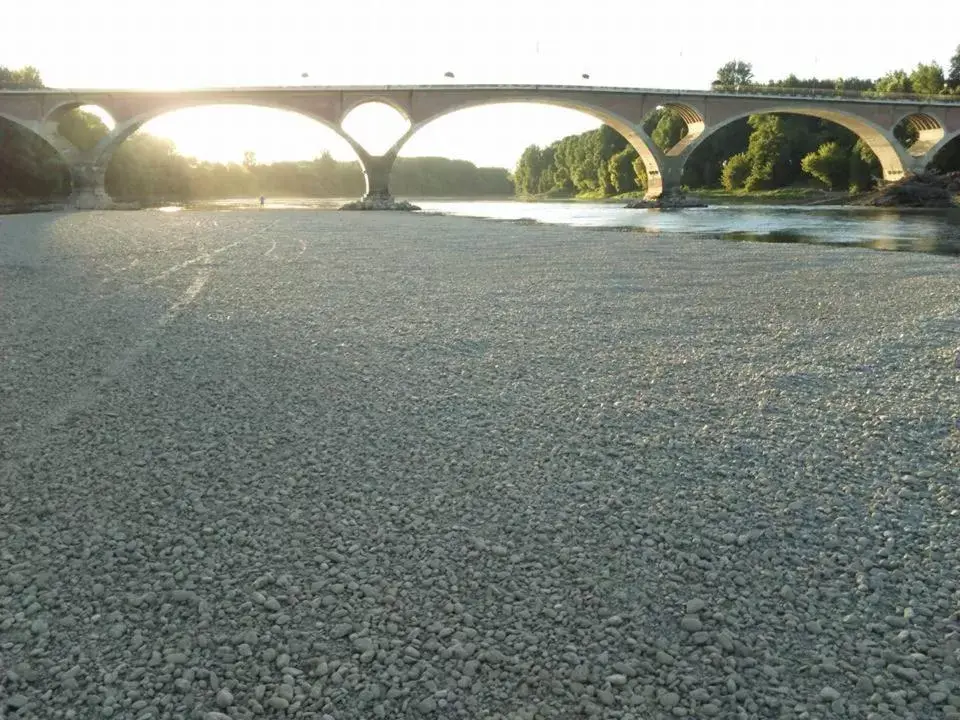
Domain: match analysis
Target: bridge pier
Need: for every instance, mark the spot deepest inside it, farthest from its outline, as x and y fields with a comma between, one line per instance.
x=89, y=189
x=376, y=173
x=666, y=185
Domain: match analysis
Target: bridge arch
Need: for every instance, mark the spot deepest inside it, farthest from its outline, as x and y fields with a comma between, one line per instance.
x=386, y=117
x=894, y=158
x=131, y=124
x=945, y=155
x=928, y=129
x=652, y=157
x=14, y=120
x=59, y=111
x=692, y=118
x=65, y=149
x=89, y=171
x=56, y=149
x=383, y=99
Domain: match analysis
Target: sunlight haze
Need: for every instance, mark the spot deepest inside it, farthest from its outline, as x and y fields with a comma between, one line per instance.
x=237, y=43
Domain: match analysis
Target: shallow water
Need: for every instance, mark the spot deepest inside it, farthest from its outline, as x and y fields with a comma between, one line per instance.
x=928, y=231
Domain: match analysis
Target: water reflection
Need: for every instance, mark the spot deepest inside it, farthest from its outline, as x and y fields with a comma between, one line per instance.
x=935, y=245
x=928, y=231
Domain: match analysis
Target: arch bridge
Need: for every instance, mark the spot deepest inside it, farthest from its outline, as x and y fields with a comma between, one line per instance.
x=935, y=121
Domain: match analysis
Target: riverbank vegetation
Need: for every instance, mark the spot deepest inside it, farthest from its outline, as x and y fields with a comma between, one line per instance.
x=753, y=156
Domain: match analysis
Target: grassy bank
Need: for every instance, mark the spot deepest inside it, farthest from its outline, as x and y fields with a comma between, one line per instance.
x=715, y=196
x=780, y=196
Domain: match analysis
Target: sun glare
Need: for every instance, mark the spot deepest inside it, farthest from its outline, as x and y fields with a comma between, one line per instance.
x=105, y=117
x=223, y=133
x=376, y=126
x=491, y=135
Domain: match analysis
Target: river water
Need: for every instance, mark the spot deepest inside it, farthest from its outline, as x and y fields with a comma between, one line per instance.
x=929, y=231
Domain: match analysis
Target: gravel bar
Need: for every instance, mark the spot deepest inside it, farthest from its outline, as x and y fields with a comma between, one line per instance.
x=331, y=465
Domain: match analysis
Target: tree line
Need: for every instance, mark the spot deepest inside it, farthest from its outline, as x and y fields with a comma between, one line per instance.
x=761, y=152
x=147, y=168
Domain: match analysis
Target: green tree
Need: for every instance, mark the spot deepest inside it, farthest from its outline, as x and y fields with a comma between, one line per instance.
x=82, y=128
x=864, y=167
x=705, y=166
x=670, y=129
x=736, y=171
x=640, y=172
x=25, y=78
x=526, y=176
x=148, y=168
x=854, y=84
x=906, y=133
x=767, y=152
x=896, y=81
x=953, y=75
x=927, y=79
x=623, y=178
x=734, y=75
x=830, y=164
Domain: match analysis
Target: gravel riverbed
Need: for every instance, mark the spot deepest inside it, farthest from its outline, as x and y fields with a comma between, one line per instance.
x=338, y=465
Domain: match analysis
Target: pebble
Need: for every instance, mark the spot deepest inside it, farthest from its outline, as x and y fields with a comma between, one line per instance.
x=16, y=701
x=691, y=623
x=341, y=630
x=427, y=705
x=828, y=694
x=669, y=700
x=363, y=644
x=665, y=658
x=278, y=703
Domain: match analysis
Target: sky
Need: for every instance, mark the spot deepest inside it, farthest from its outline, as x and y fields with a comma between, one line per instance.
x=228, y=43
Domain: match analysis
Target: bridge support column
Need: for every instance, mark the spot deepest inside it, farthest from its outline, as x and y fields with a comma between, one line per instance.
x=376, y=172
x=89, y=191
x=666, y=186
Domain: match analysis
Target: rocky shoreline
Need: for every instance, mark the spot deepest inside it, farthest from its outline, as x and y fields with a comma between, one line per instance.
x=16, y=207
x=671, y=202
x=380, y=203
x=927, y=190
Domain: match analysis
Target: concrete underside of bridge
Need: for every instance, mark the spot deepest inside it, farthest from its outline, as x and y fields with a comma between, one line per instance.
x=624, y=110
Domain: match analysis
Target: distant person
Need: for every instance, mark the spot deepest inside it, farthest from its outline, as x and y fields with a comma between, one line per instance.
x=263, y=201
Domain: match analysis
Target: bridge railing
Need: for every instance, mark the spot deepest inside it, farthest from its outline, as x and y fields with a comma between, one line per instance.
x=835, y=93
x=741, y=90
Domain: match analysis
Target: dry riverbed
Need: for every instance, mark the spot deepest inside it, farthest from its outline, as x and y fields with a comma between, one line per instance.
x=360, y=465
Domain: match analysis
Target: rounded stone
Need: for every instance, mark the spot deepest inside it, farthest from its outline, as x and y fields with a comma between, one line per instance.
x=669, y=700
x=691, y=623
x=828, y=694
